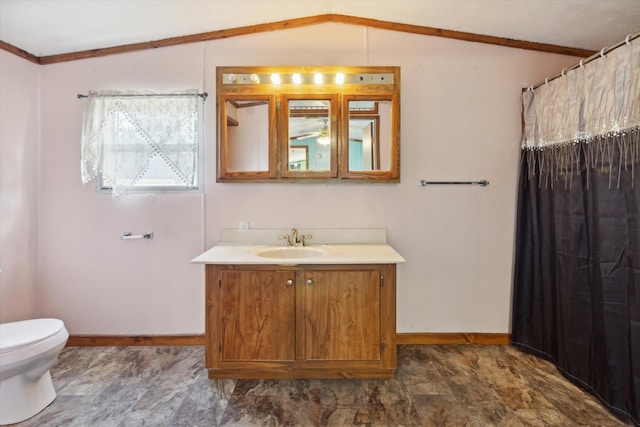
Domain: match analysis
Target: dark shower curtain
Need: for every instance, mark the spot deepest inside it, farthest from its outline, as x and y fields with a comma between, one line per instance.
x=577, y=272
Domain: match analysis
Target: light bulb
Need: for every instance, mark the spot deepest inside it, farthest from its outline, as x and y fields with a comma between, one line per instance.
x=318, y=79
x=297, y=79
x=275, y=79
x=339, y=78
x=323, y=140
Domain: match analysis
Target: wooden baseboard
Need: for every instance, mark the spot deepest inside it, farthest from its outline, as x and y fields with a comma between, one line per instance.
x=401, y=339
x=452, y=338
x=123, y=340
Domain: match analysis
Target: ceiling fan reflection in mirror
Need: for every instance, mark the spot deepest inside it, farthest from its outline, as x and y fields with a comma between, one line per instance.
x=322, y=133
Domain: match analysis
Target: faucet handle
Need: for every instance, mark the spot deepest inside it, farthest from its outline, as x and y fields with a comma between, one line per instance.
x=304, y=238
x=287, y=237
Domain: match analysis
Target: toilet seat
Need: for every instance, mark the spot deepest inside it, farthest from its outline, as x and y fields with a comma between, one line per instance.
x=16, y=335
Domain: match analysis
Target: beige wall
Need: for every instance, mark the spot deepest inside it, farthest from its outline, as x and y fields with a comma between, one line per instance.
x=19, y=159
x=460, y=121
x=90, y=278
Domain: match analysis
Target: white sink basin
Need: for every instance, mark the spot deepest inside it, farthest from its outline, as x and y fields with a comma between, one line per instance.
x=291, y=252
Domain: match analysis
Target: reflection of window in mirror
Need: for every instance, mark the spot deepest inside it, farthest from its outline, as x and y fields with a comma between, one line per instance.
x=298, y=157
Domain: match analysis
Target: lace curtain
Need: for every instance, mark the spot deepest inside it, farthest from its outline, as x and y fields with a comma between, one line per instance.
x=123, y=131
x=594, y=109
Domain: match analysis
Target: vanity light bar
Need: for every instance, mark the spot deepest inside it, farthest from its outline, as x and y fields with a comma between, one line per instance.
x=308, y=79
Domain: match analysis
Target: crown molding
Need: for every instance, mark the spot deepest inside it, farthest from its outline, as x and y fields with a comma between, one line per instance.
x=19, y=52
x=297, y=23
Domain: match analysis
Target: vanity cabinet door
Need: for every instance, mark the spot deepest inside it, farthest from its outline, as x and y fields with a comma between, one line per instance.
x=341, y=315
x=258, y=315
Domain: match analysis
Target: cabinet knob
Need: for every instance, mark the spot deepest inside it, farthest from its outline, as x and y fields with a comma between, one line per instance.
x=289, y=282
x=309, y=282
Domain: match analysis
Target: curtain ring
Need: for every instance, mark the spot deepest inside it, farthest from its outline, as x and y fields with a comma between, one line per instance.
x=546, y=81
x=628, y=39
x=582, y=63
x=530, y=89
x=562, y=73
x=602, y=52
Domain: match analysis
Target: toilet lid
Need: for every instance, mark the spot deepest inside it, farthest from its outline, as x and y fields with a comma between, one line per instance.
x=25, y=332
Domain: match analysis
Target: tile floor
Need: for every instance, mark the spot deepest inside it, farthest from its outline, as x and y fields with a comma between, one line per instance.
x=436, y=385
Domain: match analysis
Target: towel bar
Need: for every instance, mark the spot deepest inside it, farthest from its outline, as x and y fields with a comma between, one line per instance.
x=482, y=183
x=128, y=236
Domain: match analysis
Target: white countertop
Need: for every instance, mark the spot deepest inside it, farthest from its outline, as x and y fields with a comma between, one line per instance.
x=331, y=254
x=327, y=246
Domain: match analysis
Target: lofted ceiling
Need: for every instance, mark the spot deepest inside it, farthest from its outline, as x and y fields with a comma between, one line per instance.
x=53, y=27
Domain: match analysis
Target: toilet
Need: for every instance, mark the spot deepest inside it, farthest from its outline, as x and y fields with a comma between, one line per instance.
x=28, y=349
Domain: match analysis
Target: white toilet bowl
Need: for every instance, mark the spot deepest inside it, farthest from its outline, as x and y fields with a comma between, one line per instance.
x=27, y=350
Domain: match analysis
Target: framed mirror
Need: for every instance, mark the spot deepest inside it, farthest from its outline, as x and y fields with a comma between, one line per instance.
x=301, y=124
x=311, y=122
x=247, y=125
x=372, y=148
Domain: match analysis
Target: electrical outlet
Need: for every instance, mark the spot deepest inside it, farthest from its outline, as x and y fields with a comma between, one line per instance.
x=243, y=225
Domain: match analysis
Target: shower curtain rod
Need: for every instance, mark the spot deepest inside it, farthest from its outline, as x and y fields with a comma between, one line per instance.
x=201, y=95
x=593, y=57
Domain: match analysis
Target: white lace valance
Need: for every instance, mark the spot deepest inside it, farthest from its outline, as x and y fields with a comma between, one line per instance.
x=599, y=99
x=123, y=131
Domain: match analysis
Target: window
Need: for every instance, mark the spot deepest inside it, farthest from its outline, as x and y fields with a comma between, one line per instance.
x=142, y=142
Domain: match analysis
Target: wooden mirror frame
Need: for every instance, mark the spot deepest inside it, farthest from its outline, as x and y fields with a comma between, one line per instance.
x=224, y=169
x=332, y=172
x=360, y=83
x=393, y=173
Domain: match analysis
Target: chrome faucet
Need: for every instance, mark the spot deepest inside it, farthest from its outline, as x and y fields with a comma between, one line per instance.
x=294, y=239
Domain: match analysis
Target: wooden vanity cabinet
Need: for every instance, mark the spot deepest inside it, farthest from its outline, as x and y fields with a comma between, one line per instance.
x=313, y=321
x=258, y=315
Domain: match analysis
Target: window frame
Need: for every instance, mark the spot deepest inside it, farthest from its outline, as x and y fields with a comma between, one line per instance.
x=102, y=188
